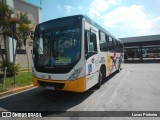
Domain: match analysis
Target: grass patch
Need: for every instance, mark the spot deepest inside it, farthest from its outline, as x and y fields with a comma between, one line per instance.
x=22, y=79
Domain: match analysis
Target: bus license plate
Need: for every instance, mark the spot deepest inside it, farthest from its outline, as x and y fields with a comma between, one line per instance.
x=50, y=87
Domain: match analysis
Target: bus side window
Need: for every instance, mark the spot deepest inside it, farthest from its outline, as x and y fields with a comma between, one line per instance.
x=93, y=43
x=103, y=42
x=87, y=36
x=90, y=44
x=106, y=43
x=121, y=47
x=116, y=45
x=111, y=44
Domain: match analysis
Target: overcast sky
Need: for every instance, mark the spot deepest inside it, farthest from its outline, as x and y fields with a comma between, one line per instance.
x=122, y=18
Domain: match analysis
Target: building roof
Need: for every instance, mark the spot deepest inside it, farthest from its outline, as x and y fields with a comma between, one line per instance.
x=141, y=38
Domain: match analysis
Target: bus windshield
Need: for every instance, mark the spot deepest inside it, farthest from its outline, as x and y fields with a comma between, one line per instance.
x=57, y=47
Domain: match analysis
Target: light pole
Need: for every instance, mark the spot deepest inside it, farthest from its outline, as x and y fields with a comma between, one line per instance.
x=13, y=28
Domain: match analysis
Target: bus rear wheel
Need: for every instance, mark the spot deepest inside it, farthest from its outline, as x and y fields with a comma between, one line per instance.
x=119, y=67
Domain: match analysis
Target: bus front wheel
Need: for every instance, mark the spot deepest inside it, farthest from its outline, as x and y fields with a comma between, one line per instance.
x=99, y=80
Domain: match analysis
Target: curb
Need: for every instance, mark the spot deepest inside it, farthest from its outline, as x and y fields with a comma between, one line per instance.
x=16, y=90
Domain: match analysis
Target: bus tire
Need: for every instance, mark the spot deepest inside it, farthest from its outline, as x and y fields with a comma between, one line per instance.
x=103, y=72
x=99, y=80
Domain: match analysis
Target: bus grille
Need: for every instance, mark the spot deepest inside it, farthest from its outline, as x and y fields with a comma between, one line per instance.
x=55, y=85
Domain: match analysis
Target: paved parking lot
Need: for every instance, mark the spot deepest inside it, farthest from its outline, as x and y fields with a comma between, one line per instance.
x=135, y=88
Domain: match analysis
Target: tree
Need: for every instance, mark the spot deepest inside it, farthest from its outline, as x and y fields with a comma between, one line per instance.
x=19, y=28
x=24, y=32
x=5, y=30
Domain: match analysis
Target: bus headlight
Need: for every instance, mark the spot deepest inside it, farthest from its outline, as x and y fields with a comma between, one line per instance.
x=75, y=74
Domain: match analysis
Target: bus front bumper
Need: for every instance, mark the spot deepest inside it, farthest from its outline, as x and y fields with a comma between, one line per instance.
x=78, y=85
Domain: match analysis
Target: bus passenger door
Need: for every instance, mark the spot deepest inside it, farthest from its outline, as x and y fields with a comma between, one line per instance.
x=92, y=60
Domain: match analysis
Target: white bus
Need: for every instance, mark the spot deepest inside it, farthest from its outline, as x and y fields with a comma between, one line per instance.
x=74, y=54
x=151, y=53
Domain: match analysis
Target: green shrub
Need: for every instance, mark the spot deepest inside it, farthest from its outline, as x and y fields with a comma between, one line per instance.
x=10, y=68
